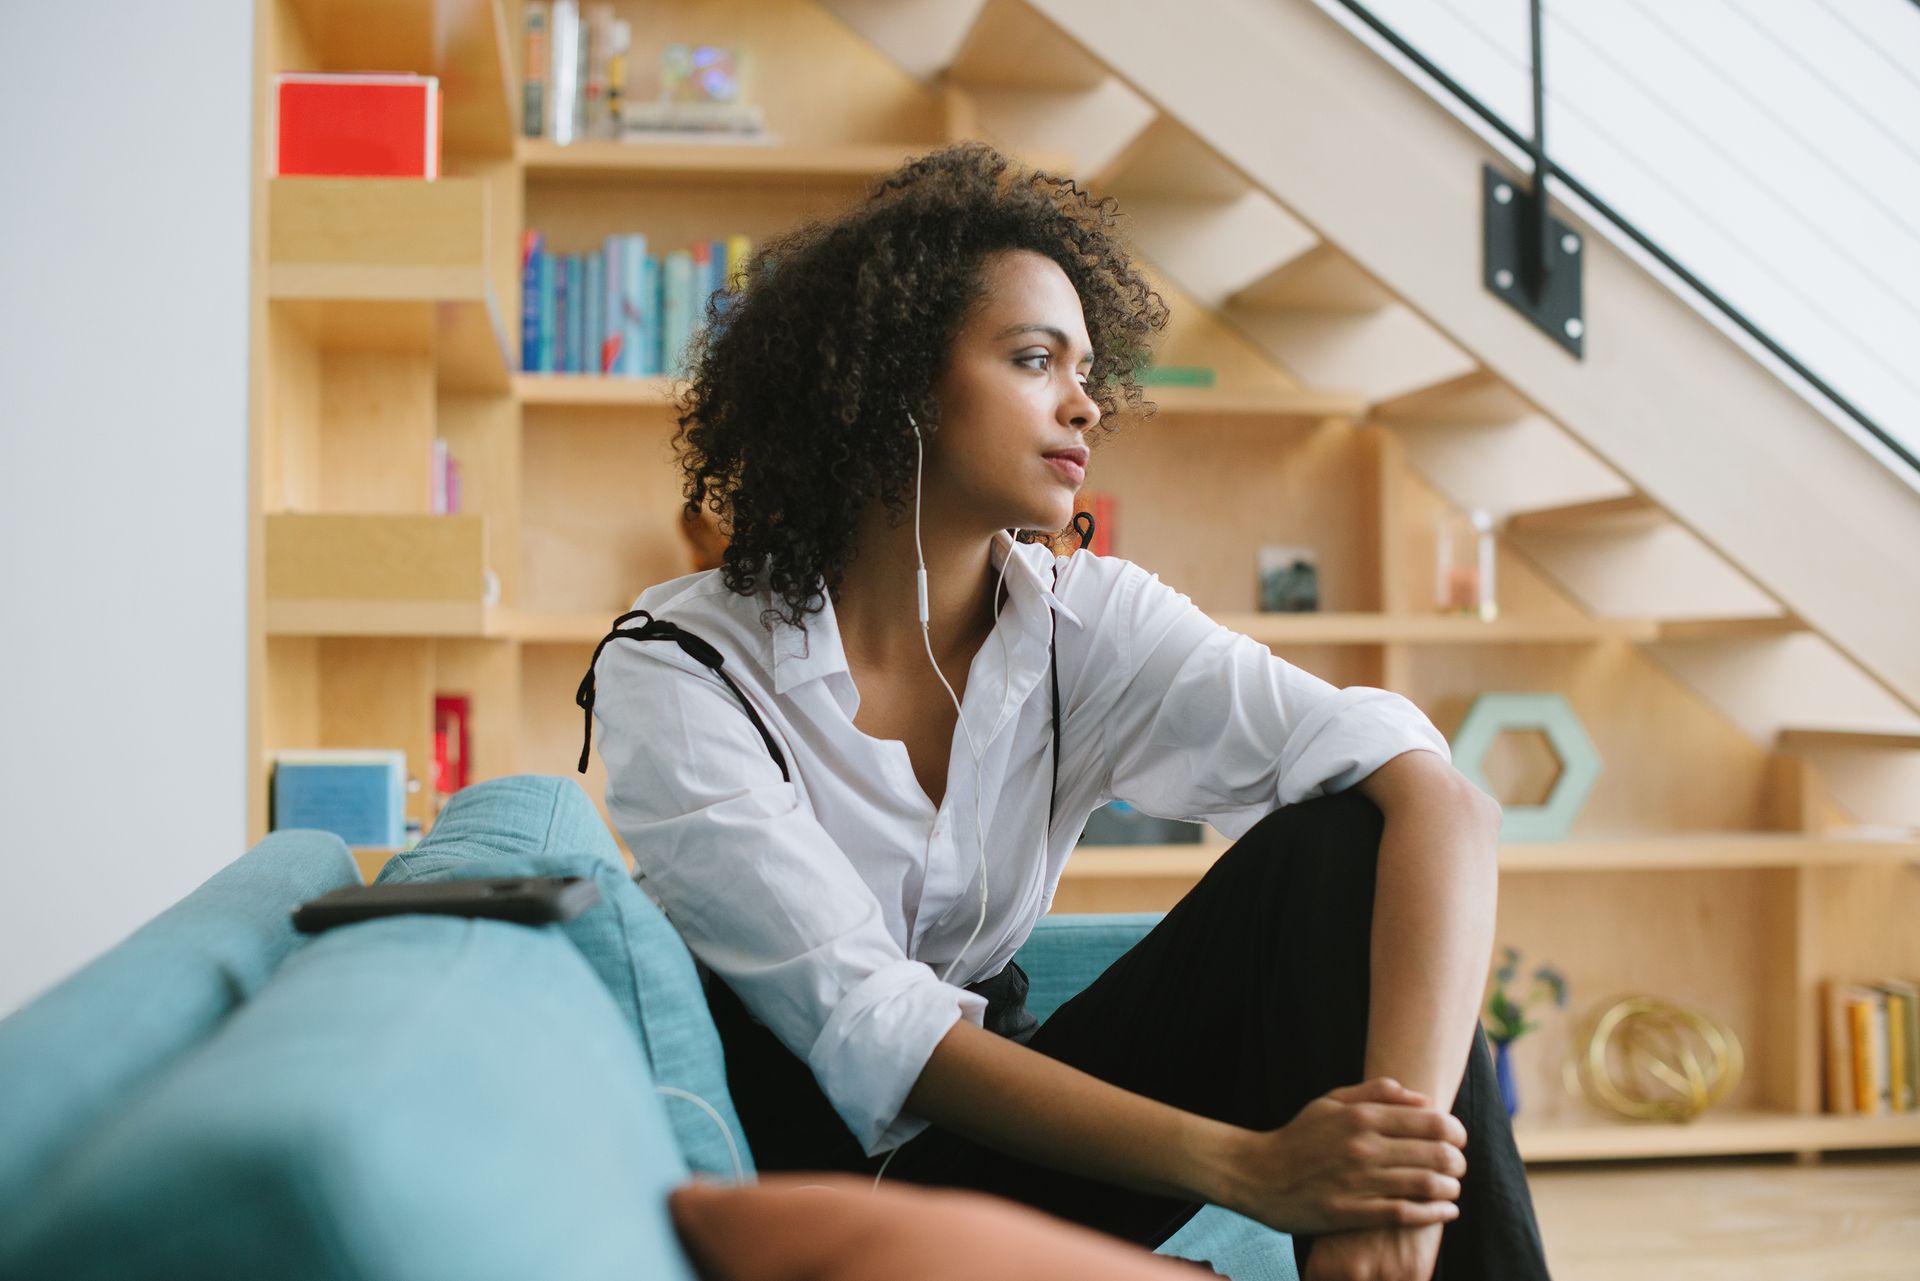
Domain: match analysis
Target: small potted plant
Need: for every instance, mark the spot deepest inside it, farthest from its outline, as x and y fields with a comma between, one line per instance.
x=1506, y=1019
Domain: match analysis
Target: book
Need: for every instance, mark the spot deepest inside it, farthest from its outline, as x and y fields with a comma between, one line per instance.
x=535, y=63
x=451, y=748
x=676, y=310
x=1901, y=1000
x=576, y=314
x=1839, y=1048
x=596, y=123
x=549, y=311
x=358, y=795
x=561, y=310
x=438, y=504
x=533, y=264
x=633, y=306
x=594, y=331
x=613, y=326
x=565, y=44
x=352, y=125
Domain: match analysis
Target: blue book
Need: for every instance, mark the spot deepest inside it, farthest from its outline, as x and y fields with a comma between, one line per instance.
x=594, y=332
x=562, y=310
x=531, y=261
x=360, y=796
x=549, y=310
x=576, y=313
x=677, y=287
x=633, y=266
x=613, y=250
x=650, y=315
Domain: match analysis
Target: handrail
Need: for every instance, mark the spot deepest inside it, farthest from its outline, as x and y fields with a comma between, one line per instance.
x=1546, y=167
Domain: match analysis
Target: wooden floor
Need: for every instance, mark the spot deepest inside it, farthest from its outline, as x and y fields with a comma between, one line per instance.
x=1849, y=1218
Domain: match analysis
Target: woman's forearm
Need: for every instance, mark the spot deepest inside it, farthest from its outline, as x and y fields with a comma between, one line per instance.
x=1001, y=1094
x=1433, y=922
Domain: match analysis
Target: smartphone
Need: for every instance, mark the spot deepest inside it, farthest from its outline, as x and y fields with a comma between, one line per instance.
x=527, y=900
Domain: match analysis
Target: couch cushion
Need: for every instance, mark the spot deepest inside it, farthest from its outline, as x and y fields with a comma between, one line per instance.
x=90, y=1043
x=416, y=1097
x=538, y=825
x=1064, y=954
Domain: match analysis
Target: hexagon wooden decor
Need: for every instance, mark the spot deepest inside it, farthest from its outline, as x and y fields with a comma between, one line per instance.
x=1495, y=714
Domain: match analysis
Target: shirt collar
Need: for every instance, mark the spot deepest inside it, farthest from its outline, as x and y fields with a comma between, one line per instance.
x=801, y=654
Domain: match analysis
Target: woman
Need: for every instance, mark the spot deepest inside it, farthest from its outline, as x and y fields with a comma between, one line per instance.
x=856, y=798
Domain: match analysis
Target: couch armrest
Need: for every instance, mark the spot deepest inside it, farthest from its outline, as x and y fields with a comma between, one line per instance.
x=1065, y=953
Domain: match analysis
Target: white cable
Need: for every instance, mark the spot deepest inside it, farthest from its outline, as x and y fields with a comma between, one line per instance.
x=726, y=1131
x=881, y=1172
x=926, y=637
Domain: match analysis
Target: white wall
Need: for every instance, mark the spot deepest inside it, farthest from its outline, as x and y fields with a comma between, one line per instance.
x=123, y=439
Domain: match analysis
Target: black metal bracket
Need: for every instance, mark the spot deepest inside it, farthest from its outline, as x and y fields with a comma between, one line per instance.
x=1542, y=283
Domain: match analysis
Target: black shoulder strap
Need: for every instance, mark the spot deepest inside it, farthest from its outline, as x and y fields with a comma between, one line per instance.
x=704, y=653
x=700, y=650
x=1053, y=663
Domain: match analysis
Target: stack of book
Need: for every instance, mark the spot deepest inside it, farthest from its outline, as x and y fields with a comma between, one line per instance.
x=620, y=311
x=578, y=74
x=1873, y=1046
x=359, y=796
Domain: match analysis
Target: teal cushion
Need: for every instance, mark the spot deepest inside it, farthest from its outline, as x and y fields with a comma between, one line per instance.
x=1064, y=954
x=417, y=1097
x=537, y=825
x=89, y=1044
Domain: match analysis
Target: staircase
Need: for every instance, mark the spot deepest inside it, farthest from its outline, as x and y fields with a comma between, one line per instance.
x=1327, y=211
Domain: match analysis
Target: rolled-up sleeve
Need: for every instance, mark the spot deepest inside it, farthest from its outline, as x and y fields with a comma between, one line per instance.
x=762, y=894
x=1208, y=725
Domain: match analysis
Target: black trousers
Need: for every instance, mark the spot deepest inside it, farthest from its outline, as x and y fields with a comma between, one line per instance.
x=1245, y=1002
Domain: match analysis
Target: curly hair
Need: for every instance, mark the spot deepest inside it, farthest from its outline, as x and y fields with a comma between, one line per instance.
x=794, y=419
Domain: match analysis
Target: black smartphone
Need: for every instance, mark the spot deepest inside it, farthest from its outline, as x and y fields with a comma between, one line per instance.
x=527, y=900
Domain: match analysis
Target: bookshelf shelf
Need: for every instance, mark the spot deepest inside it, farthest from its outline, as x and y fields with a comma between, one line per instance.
x=587, y=389
x=464, y=42
x=1731, y=1133
x=1433, y=629
x=394, y=265
x=344, y=574
x=1180, y=866
x=707, y=164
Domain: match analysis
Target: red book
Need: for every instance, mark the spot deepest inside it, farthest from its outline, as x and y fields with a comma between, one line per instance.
x=385, y=126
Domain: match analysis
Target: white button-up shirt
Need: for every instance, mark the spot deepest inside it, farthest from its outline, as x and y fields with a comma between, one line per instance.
x=833, y=903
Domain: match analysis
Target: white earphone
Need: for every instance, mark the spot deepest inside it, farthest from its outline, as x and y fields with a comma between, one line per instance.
x=926, y=637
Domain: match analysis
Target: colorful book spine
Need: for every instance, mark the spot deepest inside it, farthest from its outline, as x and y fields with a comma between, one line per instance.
x=549, y=311
x=676, y=306
x=633, y=262
x=1900, y=1018
x=612, y=333
x=565, y=41
x=594, y=331
x=1839, y=1076
x=576, y=313
x=535, y=62
x=438, y=503
x=533, y=254
x=652, y=295
x=562, y=310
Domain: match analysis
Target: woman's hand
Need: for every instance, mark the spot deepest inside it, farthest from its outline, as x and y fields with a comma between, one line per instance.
x=1374, y=1155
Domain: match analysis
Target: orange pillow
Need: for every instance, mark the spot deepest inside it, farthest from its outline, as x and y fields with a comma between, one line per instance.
x=838, y=1227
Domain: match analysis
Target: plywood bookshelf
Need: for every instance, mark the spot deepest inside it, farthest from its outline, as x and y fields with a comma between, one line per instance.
x=1705, y=867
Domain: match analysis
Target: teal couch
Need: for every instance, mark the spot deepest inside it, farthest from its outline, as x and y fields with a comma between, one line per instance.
x=416, y=1097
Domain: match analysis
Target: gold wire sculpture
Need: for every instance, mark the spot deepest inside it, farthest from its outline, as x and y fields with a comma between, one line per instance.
x=1647, y=1059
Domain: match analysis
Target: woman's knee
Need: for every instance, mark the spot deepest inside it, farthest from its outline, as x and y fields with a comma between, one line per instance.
x=1346, y=823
